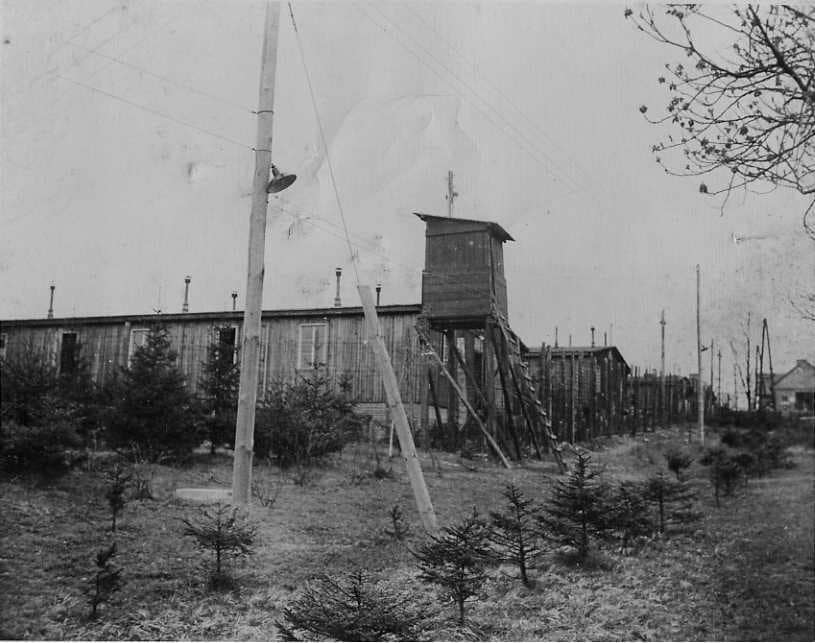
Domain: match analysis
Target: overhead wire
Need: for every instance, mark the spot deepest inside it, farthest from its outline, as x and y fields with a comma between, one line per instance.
x=54, y=70
x=155, y=112
x=531, y=148
x=61, y=97
x=458, y=52
x=319, y=223
x=166, y=79
x=325, y=142
x=522, y=139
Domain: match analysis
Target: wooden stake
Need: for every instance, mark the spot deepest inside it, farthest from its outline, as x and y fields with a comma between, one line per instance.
x=406, y=446
x=250, y=346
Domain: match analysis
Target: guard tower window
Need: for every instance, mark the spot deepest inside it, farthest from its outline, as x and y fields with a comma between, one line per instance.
x=312, y=346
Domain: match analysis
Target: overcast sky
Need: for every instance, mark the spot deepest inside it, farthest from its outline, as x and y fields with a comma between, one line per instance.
x=126, y=165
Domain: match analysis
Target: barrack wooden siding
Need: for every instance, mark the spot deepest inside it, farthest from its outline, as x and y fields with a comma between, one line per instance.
x=105, y=344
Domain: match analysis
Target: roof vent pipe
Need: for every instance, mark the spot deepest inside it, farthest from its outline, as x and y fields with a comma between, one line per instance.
x=592, y=336
x=186, y=307
x=337, y=300
x=51, y=304
x=378, y=292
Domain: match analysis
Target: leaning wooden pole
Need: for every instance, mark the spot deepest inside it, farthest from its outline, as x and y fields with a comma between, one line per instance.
x=397, y=410
x=250, y=346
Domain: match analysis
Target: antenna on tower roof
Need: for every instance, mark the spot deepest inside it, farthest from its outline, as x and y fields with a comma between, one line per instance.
x=451, y=193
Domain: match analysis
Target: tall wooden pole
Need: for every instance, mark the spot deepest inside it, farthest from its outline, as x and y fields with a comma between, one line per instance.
x=397, y=411
x=662, y=367
x=250, y=348
x=719, y=376
x=735, y=388
x=701, y=388
x=770, y=360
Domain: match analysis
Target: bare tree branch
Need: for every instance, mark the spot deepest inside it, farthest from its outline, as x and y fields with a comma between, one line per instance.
x=752, y=112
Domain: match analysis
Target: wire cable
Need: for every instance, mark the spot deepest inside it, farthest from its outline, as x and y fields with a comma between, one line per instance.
x=165, y=79
x=325, y=142
x=526, y=144
x=155, y=112
x=538, y=129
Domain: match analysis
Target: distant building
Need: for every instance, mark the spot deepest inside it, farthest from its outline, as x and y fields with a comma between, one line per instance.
x=586, y=386
x=795, y=390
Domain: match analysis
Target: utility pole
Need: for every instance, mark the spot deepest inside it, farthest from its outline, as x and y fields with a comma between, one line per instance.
x=662, y=323
x=747, y=390
x=662, y=365
x=766, y=330
x=451, y=193
x=250, y=346
x=719, y=378
x=701, y=387
x=735, y=387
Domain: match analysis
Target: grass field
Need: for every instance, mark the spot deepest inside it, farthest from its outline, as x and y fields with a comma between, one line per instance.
x=746, y=572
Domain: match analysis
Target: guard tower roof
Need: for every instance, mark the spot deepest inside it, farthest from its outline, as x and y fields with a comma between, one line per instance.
x=495, y=229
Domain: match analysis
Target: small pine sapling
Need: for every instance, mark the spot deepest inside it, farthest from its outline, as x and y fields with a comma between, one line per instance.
x=455, y=561
x=223, y=532
x=724, y=471
x=673, y=500
x=678, y=462
x=399, y=527
x=514, y=537
x=107, y=581
x=629, y=515
x=579, y=508
x=352, y=609
x=118, y=481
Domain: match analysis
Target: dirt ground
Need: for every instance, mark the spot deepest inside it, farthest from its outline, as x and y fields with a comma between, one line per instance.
x=745, y=572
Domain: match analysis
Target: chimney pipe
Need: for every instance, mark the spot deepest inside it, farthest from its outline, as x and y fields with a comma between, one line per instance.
x=337, y=300
x=570, y=340
x=605, y=339
x=51, y=304
x=592, y=336
x=234, y=300
x=186, y=307
x=555, y=336
x=378, y=292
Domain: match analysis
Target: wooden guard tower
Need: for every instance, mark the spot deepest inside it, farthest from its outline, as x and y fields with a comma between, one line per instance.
x=464, y=301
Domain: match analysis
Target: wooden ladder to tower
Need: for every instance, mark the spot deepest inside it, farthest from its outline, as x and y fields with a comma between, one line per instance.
x=525, y=387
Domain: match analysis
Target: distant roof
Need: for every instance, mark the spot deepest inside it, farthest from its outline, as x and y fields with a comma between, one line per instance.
x=493, y=227
x=566, y=351
x=801, y=376
x=230, y=315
